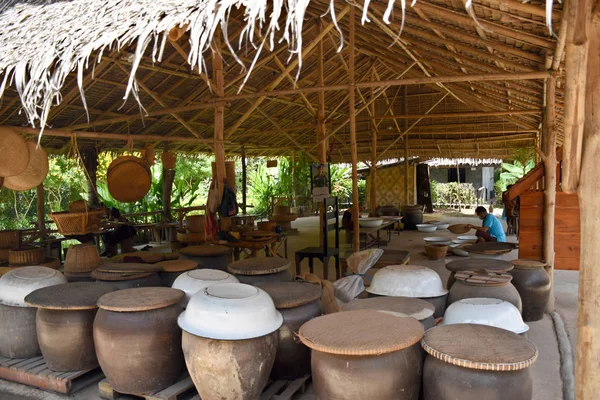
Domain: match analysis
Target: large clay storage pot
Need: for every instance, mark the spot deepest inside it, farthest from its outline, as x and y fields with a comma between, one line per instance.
x=410, y=281
x=137, y=339
x=474, y=362
x=230, y=340
x=171, y=269
x=65, y=320
x=208, y=256
x=470, y=284
x=485, y=311
x=80, y=261
x=128, y=275
x=34, y=173
x=15, y=152
x=365, y=354
x=297, y=302
x=193, y=281
x=418, y=309
x=533, y=284
x=18, y=336
x=474, y=264
x=261, y=270
x=128, y=179
x=413, y=215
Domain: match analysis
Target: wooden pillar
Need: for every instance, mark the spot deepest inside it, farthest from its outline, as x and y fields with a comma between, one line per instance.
x=458, y=189
x=549, y=159
x=407, y=199
x=353, y=146
x=219, y=85
x=373, y=171
x=89, y=156
x=587, y=368
x=41, y=211
x=244, y=179
x=168, y=176
x=322, y=143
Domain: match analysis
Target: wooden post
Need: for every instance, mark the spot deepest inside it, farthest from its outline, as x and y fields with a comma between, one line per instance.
x=458, y=188
x=373, y=171
x=41, y=211
x=405, y=125
x=322, y=143
x=549, y=159
x=219, y=85
x=89, y=156
x=353, y=146
x=244, y=179
x=168, y=176
x=587, y=368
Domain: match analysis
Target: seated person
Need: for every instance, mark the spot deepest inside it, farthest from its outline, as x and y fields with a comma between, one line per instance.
x=491, y=229
x=117, y=235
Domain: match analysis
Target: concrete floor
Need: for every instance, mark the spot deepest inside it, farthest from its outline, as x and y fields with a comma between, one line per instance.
x=546, y=376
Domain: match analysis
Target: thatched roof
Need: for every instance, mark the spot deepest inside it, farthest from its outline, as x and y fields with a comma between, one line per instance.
x=53, y=51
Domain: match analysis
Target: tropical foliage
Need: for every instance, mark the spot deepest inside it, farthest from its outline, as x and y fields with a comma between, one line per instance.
x=453, y=193
x=512, y=172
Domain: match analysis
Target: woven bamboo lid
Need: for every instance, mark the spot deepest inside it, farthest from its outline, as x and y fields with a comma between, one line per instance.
x=15, y=153
x=524, y=263
x=119, y=276
x=34, y=173
x=292, y=294
x=128, y=179
x=259, y=266
x=140, y=299
x=205, y=250
x=69, y=296
x=459, y=229
x=177, y=265
x=406, y=306
x=146, y=257
x=483, y=278
x=128, y=267
x=473, y=264
x=360, y=332
x=480, y=347
x=490, y=247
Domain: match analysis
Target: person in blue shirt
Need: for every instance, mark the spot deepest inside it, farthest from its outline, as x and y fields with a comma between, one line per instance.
x=491, y=229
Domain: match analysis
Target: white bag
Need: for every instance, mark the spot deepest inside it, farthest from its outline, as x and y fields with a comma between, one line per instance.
x=360, y=262
x=348, y=288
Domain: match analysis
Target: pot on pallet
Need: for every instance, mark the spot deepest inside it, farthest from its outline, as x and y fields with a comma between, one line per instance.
x=208, y=256
x=18, y=336
x=533, y=284
x=365, y=354
x=230, y=340
x=137, y=339
x=261, y=270
x=471, y=284
x=170, y=270
x=193, y=281
x=418, y=309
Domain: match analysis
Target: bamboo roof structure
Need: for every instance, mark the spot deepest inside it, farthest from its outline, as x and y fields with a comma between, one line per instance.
x=457, y=82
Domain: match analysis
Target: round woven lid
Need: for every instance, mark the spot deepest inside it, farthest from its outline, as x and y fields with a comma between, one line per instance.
x=480, y=347
x=128, y=179
x=177, y=265
x=69, y=296
x=34, y=173
x=259, y=266
x=15, y=153
x=35, y=272
x=405, y=306
x=205, y=250
x=140, y=299
x=483, y=278
x=119, y=276
x=128, y=267
x=360, y=332
x=292, y=294
x=473, y=264
x=145, y=257
x=524, y=263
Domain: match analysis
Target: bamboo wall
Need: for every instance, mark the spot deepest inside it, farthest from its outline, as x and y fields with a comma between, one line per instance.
x=390, y=186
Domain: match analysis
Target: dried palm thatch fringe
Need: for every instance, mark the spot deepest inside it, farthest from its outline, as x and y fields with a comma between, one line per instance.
x=42, y=41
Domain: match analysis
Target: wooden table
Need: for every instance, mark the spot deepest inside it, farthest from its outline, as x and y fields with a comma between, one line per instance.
x=270, y=245
x=365, y=232
x=396, y=220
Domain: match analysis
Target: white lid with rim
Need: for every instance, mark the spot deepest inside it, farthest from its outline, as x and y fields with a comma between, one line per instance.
x=16, y=284
x=408, y=281
x=193, y=281
x=485, y=311
x=230, y=311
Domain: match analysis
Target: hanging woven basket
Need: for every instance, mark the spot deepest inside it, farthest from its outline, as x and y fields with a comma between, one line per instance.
x=128, y=179
x=34, y=174
x=15, y=153
x=80, y=222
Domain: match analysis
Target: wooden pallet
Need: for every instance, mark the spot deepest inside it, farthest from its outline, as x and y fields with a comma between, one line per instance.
x=35, y=372
x=182, y=389
x=284, y=390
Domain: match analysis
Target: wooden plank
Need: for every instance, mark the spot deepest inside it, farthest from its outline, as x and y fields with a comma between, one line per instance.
x=570, y=226
x=564, y=200
x=567, y=246
x=272, y=390
x=293, y=387
x=532, y=199
x=534, y=225
x=173, y=391
x=566, y=263
x=524, y=185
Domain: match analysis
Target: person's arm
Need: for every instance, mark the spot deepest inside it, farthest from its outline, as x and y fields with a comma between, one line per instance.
x=485, y=226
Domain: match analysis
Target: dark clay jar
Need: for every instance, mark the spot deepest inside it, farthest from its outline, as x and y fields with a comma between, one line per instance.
x=443, y=381
x=293, y=357
x=283, y=276
x=148, y=281
x=412, y=217
x=507, y=292
x=18, y=337
x=534, y=287
x=66, y=339
x=167, y=278
x=395, y=375
x=219, y=262
x=139, y=352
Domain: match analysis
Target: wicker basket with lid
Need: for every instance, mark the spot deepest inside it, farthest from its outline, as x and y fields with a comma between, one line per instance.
x=34, y=173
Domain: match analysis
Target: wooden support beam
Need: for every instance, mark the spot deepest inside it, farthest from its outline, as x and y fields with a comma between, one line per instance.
x=514, y=5
x=455, y=115
x=89, y=157
x=373, y=170
x=406, y=191
x=168, y=176
x=244, y=181
x=41, y=212
x=219, y=128
x=321, y=142
x=354, y=149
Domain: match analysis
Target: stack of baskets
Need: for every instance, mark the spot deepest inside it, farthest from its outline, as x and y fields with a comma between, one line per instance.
x=24, y=256
x=81, y=260
x=79, y=220
x=194, y=232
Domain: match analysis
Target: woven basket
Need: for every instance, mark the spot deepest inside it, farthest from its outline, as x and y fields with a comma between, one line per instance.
x=459, y=229
x=266, y=226
x=34, y=174
x=82, y=258
x=281, y=210
x=26, y=256
x=128, y=179
x=436, y=251
x=15, y=153
x=10, y=239
x=4, y=255
x=78, y=206
x=195, y=223
x=77, y=223
x=169, y=160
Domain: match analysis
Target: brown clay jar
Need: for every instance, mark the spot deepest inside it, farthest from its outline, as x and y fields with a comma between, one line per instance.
x=283, y=276
x=137, y=339
x=475, y=264
x=533, y=284
x=18, y=337
x=491, y=285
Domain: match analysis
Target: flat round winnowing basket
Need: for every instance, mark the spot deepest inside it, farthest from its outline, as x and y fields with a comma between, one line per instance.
x=34, y=173
x=26, y=256
x=15, y=153
x=459, y=229
x=82, y=258
x=128, y=179
x=77, y=223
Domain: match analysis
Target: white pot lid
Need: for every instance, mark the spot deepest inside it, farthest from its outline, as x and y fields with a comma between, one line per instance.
x=467, y=237
x=230, y=311
x=485, y=311
x=437, y=239
x=16, y=284
x=193, y=281
x=408, y=281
